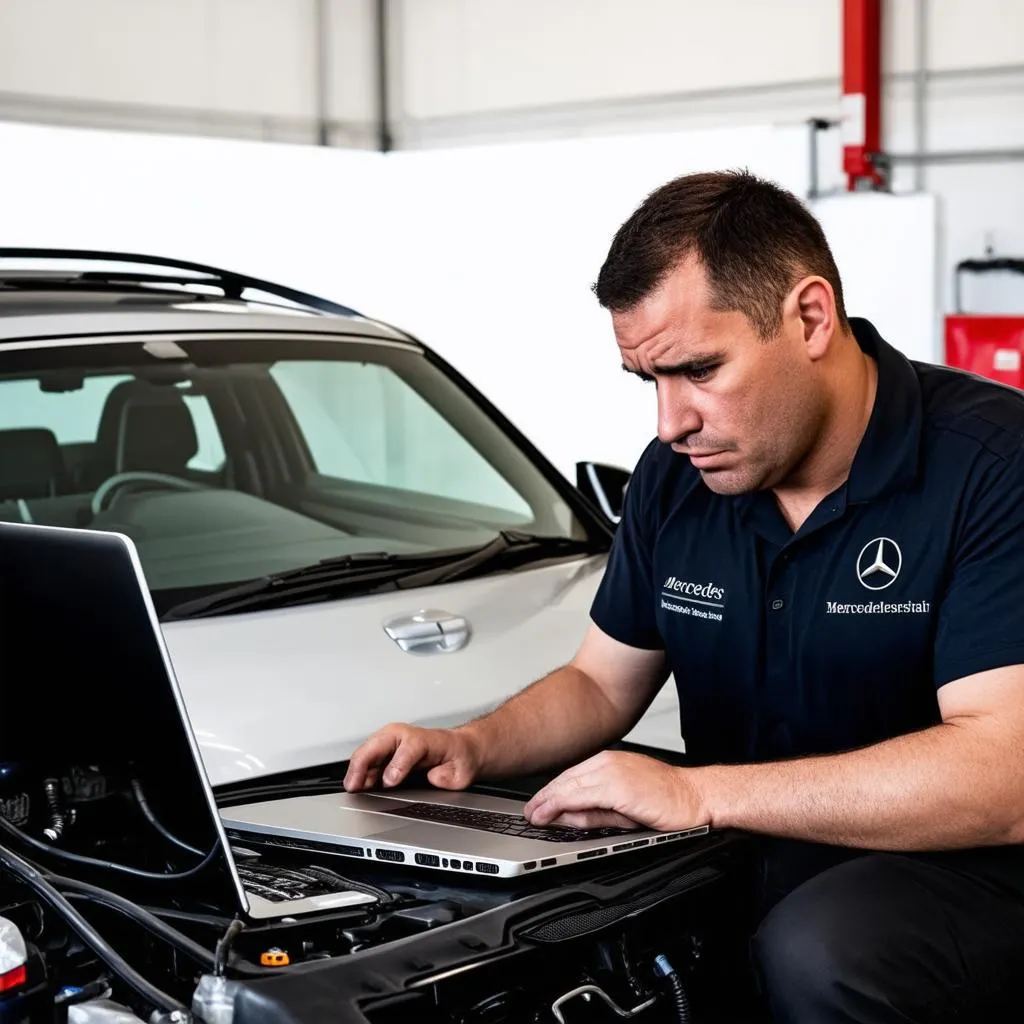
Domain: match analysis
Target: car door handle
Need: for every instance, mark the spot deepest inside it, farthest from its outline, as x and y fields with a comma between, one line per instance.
x=429, y=632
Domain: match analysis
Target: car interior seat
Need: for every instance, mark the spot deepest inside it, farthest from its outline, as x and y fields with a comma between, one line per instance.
x=31, y=470
x=144, y=426
x=31, y=465
x=158, y=435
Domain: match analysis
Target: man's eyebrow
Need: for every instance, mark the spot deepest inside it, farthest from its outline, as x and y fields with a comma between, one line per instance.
x=688, y=366
x=637, y=373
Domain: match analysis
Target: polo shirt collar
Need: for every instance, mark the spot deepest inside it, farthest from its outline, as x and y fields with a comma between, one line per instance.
x=888, y=456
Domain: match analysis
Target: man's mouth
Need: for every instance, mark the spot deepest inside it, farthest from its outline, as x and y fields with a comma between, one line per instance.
x=703, y=460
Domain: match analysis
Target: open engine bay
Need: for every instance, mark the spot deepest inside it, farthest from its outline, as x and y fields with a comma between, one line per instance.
x=116, y=910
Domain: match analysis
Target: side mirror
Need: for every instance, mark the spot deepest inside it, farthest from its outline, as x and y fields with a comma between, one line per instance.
x=604, y=485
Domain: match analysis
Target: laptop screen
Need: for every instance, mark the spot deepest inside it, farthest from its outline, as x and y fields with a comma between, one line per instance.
x=88, y=698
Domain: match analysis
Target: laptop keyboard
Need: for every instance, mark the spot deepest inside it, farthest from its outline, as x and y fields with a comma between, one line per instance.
x=277, y=884
x=502, y=824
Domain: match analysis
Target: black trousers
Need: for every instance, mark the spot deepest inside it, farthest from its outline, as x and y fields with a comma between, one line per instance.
x=880, y=937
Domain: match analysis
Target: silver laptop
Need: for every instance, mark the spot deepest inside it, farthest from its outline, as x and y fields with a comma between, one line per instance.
x=81, y=651
x=459, y=832
x=87, y=588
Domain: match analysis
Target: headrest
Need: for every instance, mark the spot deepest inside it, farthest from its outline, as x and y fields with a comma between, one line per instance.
x=157, y=432
x=31, y=465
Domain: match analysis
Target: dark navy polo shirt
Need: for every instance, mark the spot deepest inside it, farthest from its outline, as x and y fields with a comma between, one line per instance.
x=839, y=635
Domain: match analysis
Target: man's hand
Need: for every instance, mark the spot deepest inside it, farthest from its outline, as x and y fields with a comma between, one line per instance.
x=620, y=790
x=391, y=753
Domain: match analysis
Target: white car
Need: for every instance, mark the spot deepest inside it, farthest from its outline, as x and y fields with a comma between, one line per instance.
x=337, y=529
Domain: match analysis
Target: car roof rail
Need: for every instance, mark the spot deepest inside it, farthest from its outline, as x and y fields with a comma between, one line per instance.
x=230, y=282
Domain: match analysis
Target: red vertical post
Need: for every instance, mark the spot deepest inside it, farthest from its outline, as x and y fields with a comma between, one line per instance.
x=862, y=92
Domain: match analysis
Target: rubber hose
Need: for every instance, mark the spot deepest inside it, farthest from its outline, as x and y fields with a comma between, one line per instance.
x=679, y=997
x=666, y=970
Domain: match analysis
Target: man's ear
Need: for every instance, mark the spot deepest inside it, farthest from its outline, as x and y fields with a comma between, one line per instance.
x=812, y=302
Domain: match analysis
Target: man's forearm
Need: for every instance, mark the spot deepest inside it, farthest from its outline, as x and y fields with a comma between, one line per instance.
x=558, y=720
x=948, y=786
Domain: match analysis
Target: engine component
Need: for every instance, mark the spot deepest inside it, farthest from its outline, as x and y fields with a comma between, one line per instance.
x=143, y=805
x=214, y=999
x=586, y=991
x=665, y=970
x=76, y=858
x=15, y=802
x=98, y=989
x=76, y=923
x=13, y=956
x=47, y=800
x=101, y=1011
x=274, y=957
x=223, y=950
x=58, y=819
x=24, y=988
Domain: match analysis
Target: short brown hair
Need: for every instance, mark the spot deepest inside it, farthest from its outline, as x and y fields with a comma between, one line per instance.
x=754, y=239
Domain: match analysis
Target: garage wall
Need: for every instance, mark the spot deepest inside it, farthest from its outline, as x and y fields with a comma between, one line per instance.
x=480, y=71
x=470, y=72
x=471, y=57
x=477, y=67
x=259, y=69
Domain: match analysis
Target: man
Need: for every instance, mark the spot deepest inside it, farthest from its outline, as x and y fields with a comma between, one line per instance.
x=825, y=546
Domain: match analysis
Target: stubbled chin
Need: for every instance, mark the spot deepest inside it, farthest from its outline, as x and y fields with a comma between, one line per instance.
x=725, y=481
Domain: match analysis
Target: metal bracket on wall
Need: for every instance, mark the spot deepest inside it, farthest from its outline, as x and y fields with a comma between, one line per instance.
x=817, y=125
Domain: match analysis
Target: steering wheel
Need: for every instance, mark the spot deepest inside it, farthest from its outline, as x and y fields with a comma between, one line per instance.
x=103, y=496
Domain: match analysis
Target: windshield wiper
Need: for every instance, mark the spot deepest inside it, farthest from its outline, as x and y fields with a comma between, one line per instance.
x=508, y=550
x=372, y=572
x=362, y=566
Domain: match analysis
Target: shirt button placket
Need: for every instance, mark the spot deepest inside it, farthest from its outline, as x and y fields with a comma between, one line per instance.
x=773, y=740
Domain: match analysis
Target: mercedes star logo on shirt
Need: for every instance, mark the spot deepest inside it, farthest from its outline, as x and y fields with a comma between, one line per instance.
x=879, y=563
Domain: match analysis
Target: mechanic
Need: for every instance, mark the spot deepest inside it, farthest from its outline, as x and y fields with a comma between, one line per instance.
x=825, y=546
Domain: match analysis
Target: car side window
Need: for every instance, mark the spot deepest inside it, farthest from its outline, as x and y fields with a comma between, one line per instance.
x=363, y=422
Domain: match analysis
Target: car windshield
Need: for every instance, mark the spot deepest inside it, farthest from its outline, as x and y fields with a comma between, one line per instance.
x=229, y=459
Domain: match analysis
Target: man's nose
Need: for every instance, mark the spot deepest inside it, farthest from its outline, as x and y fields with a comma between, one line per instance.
x=677, y=417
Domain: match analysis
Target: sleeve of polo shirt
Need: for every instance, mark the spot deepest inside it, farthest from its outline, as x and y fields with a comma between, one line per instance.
x=981, y=622
x=624, y=604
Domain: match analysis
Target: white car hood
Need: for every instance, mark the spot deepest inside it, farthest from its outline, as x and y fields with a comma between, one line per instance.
x=292, y=688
